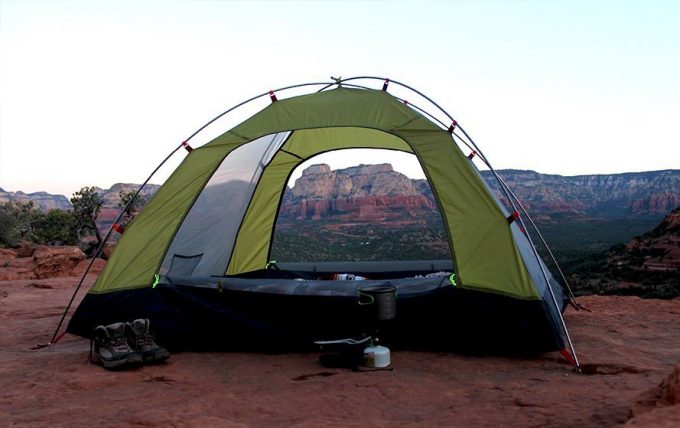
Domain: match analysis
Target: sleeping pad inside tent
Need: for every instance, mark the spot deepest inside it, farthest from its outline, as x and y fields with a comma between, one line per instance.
x=196, y=260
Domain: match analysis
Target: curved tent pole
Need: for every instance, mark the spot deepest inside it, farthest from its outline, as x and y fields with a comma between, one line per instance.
x=572, y=297
x=552, y=256
x=99, y=249
x=504, y=187
x=338, y=82
x=533, y=247
x=504, y=190
x=285, y=88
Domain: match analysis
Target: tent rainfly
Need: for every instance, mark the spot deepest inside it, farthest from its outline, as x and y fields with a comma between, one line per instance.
x=196, y=260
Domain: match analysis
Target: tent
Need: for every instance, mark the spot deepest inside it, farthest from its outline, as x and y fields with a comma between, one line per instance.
x=196, y=260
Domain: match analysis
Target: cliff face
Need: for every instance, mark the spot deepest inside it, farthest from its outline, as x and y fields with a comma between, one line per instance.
x=639, y=193
x=320, y=192
x=613, y=195
x=363, y=193
x=42, y=200
x=111, y=196
x=319, y=182
x=579, y=216
x=647, y=265
x=659, y=248
x=366, y=212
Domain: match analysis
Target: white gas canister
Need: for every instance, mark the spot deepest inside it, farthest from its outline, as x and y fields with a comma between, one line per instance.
x=377, y=357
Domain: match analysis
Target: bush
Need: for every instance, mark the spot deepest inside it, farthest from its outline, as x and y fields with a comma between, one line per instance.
x=24, y=223
x=86, y=207
x=17, y=223
x=57, y=227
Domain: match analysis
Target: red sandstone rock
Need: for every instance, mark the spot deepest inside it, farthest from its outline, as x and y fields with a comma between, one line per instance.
x=667, y=393
x=362, y=208
x=26, y=250
x=96, y=268
x=53, y=262
x=625, y=341
x=662, y=417
x=319, y=182
x=660, y=202
x=6, y=253
x=17, y=268
x=45, y=262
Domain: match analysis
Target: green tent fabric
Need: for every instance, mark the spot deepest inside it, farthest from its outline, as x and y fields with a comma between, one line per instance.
x=486, y=255
x=196, y=260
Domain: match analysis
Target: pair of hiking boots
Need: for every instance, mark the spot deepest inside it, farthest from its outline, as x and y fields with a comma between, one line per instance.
x=122, y=345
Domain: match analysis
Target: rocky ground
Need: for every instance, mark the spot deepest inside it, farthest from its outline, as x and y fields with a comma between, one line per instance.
x=627, y=346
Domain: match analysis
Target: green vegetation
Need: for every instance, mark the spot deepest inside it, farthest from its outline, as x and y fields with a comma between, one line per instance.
x=138, y=202
x=572, y=241
x=584, y=248
x=24, y=223
x=57, y=227
x=16, y=223
x=320, y=240
x=86, y=207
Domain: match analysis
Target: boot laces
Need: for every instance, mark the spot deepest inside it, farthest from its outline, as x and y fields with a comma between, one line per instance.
x=119, y=344
x=144, y=339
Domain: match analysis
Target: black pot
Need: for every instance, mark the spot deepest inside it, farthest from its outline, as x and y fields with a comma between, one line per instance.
x=382, y=298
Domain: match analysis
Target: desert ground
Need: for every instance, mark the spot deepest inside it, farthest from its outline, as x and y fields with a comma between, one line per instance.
x=627, y=347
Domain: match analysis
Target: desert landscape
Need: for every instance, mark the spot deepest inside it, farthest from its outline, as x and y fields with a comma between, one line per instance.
x=475, y=203
x=629, y=350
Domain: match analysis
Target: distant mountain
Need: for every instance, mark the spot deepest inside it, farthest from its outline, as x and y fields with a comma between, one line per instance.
x=355, y=214
x=42, y=200
x=653, y=193
x=610, y=195
x=111, y=196
x=586, y=214
x=47, y=201
x=578, y=215
x=364, y=193
x=647, y=265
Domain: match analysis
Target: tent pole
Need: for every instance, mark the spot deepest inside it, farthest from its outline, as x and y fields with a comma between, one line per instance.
x=99, y=249
x=533, y=247
x=572, y=298
x=505, y=191
x=120, y=215
x=327, y=85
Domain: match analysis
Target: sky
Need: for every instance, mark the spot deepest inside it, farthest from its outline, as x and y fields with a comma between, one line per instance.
x=99, y=92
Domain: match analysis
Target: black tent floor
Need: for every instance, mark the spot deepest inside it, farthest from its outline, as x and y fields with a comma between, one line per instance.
x=194, y=318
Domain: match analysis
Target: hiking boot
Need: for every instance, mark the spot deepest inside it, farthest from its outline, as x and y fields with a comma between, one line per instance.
x=141, y=340
x=111, y=347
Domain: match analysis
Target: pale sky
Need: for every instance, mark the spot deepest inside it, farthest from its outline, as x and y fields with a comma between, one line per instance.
x=98, y=92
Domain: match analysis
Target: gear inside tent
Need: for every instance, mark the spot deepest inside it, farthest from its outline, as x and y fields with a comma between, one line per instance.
x=196, y=260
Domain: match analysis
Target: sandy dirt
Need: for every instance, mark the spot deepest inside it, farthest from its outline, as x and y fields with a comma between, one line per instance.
x=627, y=346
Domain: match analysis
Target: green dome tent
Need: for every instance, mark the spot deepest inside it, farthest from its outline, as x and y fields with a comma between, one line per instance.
x=196, y=259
